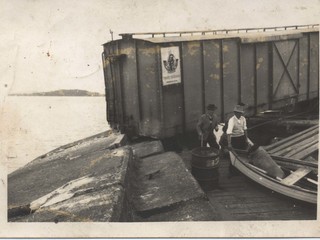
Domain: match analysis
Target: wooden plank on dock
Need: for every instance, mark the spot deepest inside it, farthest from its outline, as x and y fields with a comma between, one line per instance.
x=293, y=141
x=239, y=198
x=307, y=152
x=276, y=144
x=303, y=146
x=296, y=176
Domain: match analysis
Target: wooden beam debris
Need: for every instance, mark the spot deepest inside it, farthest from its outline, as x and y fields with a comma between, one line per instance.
x=297, y=146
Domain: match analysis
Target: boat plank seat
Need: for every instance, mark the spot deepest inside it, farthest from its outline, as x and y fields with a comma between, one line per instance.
x=296, y=176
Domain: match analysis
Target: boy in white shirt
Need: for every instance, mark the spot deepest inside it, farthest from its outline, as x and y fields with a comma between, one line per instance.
x=237, y=129
x=237, y=134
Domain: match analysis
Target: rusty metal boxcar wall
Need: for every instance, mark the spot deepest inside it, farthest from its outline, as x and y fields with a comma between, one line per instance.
x=264, y=68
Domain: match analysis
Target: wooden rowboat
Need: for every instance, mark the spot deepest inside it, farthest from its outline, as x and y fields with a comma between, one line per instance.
x=300, y=181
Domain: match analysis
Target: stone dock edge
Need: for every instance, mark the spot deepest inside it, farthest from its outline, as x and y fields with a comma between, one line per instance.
x=105, y=178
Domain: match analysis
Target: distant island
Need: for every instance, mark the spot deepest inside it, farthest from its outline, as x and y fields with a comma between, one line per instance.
x=62, y=92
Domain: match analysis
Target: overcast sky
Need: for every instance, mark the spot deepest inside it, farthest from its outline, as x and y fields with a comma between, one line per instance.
x=48, y=45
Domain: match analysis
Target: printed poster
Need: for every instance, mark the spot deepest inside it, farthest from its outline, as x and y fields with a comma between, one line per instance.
x=170, y=61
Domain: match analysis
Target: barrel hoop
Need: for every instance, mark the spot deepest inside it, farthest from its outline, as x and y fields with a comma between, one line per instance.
x=211, y=167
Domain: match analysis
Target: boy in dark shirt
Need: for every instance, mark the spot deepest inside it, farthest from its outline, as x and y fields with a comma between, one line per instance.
x=205, y=126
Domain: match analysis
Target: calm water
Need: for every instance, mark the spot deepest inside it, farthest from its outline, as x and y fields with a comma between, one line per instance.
x=32, y=126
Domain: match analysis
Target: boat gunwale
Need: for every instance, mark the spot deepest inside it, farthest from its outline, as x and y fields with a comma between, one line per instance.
x=272, y=183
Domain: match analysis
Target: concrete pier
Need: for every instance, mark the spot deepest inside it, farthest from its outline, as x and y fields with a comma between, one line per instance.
x=105, y=178
x=72, y=183
x=99, y=179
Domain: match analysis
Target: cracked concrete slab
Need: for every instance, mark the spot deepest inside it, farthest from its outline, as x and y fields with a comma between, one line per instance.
x=164, y=181
x=198, y=209
x=104, y=205
x=80, y=185
x=103, y=141
x=68, y=179
x=145, y=149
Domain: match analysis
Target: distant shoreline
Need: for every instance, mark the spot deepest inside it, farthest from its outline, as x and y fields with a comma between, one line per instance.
x=60, y=93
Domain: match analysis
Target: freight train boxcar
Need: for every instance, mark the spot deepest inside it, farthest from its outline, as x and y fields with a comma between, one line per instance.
x=158, y=84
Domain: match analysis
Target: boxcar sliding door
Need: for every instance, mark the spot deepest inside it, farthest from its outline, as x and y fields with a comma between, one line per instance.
x=285, y=74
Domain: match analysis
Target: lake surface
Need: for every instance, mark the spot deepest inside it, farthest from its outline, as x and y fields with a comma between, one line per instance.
x=32, y=126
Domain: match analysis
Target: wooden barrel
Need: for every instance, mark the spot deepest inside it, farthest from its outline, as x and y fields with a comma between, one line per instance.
x=205, y=167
